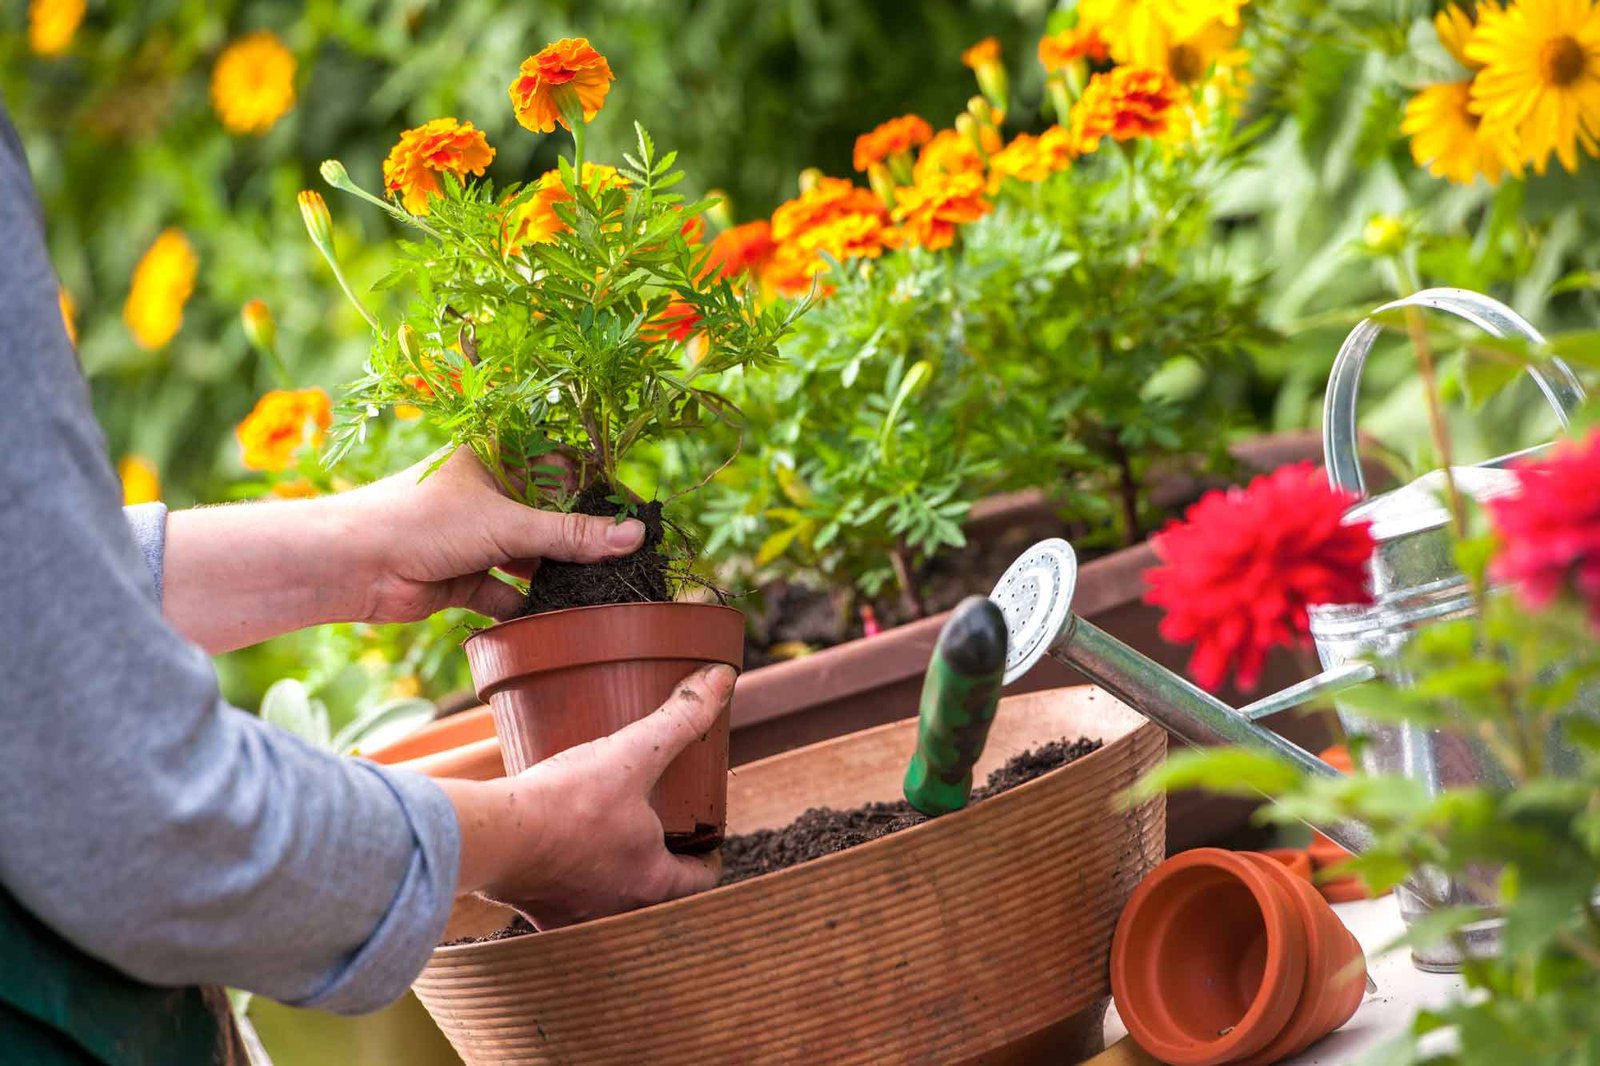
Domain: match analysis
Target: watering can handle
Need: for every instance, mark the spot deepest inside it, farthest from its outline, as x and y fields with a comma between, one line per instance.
x=1556, y=380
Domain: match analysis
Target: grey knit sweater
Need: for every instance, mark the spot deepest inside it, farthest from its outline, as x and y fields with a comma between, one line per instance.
x=147, y=822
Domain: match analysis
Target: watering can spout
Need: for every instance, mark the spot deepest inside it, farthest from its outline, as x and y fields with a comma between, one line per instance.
x=1035, y=595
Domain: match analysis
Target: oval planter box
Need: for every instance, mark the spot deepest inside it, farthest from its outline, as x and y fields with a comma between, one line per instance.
x=984, y=936
x=877, y=679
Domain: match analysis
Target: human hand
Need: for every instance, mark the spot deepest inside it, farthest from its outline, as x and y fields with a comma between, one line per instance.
x=574, y=837
x=435, y=542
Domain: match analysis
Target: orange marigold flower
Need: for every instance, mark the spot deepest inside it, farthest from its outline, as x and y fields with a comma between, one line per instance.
x=742, y=250
x=52, y=24
x=297, y=489
x=678, y=321
x=892, y=138
x=411, y=172
x=834, y=216
x=1032, y=159
x=985, y=53
x=535, y=221
x=280, y=424
x=930, y=211
x=1123, y=103
x=952, y=152
x=693, y=229
x=141, y=483
x=252, y=85
x=162, y=284
x=568, y=72
x=1059, y=50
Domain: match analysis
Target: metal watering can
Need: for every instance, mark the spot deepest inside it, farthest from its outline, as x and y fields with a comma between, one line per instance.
x=1415, y=583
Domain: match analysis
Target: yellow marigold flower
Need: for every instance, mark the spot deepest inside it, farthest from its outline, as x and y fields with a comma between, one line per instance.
x=252, y=85
x=162, y=284
x=1452, y=142
x=69, y=315
x=140, y=481
x=1057, y=51
x=930, y=211
x=1541, y=77
x=1032, y=159
x=407, y=412
x=411, y=171
x=562, y=79
x=953, y=152
x=1139, y=32
x=896, y=137
x=283, y=421
x=52, y=24
x=1123, y=103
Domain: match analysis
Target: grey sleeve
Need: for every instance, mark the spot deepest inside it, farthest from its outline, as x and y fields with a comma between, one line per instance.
x=179, y=839
x=148, y=524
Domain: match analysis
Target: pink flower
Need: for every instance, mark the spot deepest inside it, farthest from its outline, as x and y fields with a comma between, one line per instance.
x=1242, y=567
x=1550, y=530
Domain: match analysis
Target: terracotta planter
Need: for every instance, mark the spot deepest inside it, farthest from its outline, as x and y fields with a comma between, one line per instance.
x=1227, y=957
x=877, y=679
x=462, y=745
x=568, y=677
x=979, y=937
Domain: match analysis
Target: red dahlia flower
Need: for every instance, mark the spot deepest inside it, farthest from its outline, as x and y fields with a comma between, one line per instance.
x=1242, y=567
x=1550, y=530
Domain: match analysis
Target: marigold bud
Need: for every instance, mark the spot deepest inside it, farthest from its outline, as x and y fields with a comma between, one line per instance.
x=1384, y=235
x=314, y=210
x=259, y=327
x=334, y=173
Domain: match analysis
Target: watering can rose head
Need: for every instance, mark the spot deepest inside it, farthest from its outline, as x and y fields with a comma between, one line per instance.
x=1241, y=568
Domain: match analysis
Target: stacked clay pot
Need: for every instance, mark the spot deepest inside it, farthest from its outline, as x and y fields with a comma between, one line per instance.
x=1229, y=957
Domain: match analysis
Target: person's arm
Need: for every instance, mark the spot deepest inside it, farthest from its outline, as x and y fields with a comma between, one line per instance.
x=394, y=551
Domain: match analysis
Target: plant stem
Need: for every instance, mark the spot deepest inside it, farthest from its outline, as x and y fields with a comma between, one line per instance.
x=1417, y=329
x=1128, y=490
x=910, y=598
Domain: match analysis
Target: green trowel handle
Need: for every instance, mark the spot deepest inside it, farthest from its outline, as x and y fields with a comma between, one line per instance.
x=959, y=696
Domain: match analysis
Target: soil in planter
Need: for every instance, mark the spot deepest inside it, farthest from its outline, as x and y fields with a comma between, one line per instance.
x=638, y=578
x=822, y=830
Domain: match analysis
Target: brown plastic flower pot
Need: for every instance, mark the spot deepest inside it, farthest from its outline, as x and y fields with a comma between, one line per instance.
x=982, y=936
x=1227, y=957
x=557, y=680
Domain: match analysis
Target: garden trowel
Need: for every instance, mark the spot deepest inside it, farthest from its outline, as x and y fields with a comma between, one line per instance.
x=959, y=695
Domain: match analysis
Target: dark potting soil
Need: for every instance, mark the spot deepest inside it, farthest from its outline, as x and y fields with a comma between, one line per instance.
x=637, y=578
x=823, y=830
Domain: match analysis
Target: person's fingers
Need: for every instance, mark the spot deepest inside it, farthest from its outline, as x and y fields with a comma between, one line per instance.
x=525, y=533
x=688, y=874
x=689, y=713
x=495, y=598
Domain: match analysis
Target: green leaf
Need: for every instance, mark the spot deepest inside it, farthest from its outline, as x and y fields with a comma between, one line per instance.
x=288, y=705
x=1230, y=771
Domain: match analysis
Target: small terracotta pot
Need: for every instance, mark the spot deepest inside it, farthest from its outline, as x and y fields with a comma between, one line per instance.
x=1227, y=957
x=1296, y=860
x=432, y=748
x=565, y=678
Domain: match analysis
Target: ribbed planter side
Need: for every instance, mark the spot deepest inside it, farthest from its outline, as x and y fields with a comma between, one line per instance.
x=970, y=938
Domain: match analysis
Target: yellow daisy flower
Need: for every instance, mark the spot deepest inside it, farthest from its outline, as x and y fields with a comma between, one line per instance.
x=140, y=481
x=252, y=85
x=162, y=283
x=1541, y=77
x=1452, y=142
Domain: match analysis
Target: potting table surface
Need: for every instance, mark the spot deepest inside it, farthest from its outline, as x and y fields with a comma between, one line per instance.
x=1384, y=1014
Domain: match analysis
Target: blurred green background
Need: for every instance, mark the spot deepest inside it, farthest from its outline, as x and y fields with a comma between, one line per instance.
x=124, y=143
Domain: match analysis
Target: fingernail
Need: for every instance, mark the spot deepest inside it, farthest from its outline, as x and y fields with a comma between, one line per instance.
x=625, y=535
x=720, y=680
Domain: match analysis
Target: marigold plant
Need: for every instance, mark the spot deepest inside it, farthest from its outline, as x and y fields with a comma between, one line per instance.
x=555, y=326
x=283, y=422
